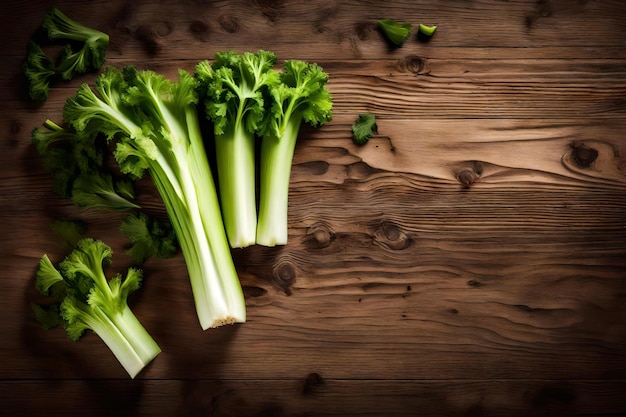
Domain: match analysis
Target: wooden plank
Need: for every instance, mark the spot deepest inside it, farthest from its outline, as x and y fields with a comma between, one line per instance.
x=525, y=296
x=314, y=395
x=333, y=29
x=418, y=88
x=493, y=153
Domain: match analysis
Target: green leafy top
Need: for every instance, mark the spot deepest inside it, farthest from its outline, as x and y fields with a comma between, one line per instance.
x=85, y=290
x=103, y=108
x=302, y=95
x=234, y=86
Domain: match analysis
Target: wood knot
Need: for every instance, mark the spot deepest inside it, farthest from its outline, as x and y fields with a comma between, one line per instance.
x=543, y=8
x=284, y=277
x=229, y=23
x=365, y=29
x=469, y=174
x=199, y=30
x=149, y=35
x=466, y=177
x=163, y=29
x=474, y=283
x=412, y=63
x=319, y=236
x=391, y=236
x=312, y=381
x=322, y=17
x=271, y=9
x=583, y=155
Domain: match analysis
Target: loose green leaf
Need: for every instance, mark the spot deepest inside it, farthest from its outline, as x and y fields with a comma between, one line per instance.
x=149, y=237
x=83, y=50
x=92, y=44
x=396, y=32
x=77, y=163
x=39, y=71
x=364, y=128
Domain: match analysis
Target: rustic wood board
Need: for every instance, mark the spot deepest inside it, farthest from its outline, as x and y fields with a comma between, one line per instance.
x=470, y=260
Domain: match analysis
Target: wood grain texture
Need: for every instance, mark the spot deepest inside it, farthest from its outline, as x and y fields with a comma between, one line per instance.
x=470, y=260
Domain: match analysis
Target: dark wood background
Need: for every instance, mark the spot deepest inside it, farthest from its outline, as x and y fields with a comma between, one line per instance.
x=469, y=261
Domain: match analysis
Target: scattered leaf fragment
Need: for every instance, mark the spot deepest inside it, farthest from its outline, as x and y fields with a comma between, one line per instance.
x=149, y=237
x=364, y=128
x=396, y=32
x=426, y=30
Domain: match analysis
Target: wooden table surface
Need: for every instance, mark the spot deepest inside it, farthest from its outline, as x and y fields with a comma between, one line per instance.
x=470, y=260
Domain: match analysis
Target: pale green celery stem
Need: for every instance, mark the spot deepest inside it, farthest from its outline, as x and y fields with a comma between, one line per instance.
x=226, y=300
x=195, y=216
x=129, y=341
x=276, y=161
x=237, y=187
x=139, y=338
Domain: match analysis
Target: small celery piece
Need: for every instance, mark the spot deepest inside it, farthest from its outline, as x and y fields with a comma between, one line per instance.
x=233, y=89
x=301, y=97
x=426, y=30
x=83, y=51
x=149, y=237
x=154, y=125
x=364, y=128
x=92, y=44
x=91, y=301
x=39, y=71
x=396, y=32
x=77, y=165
